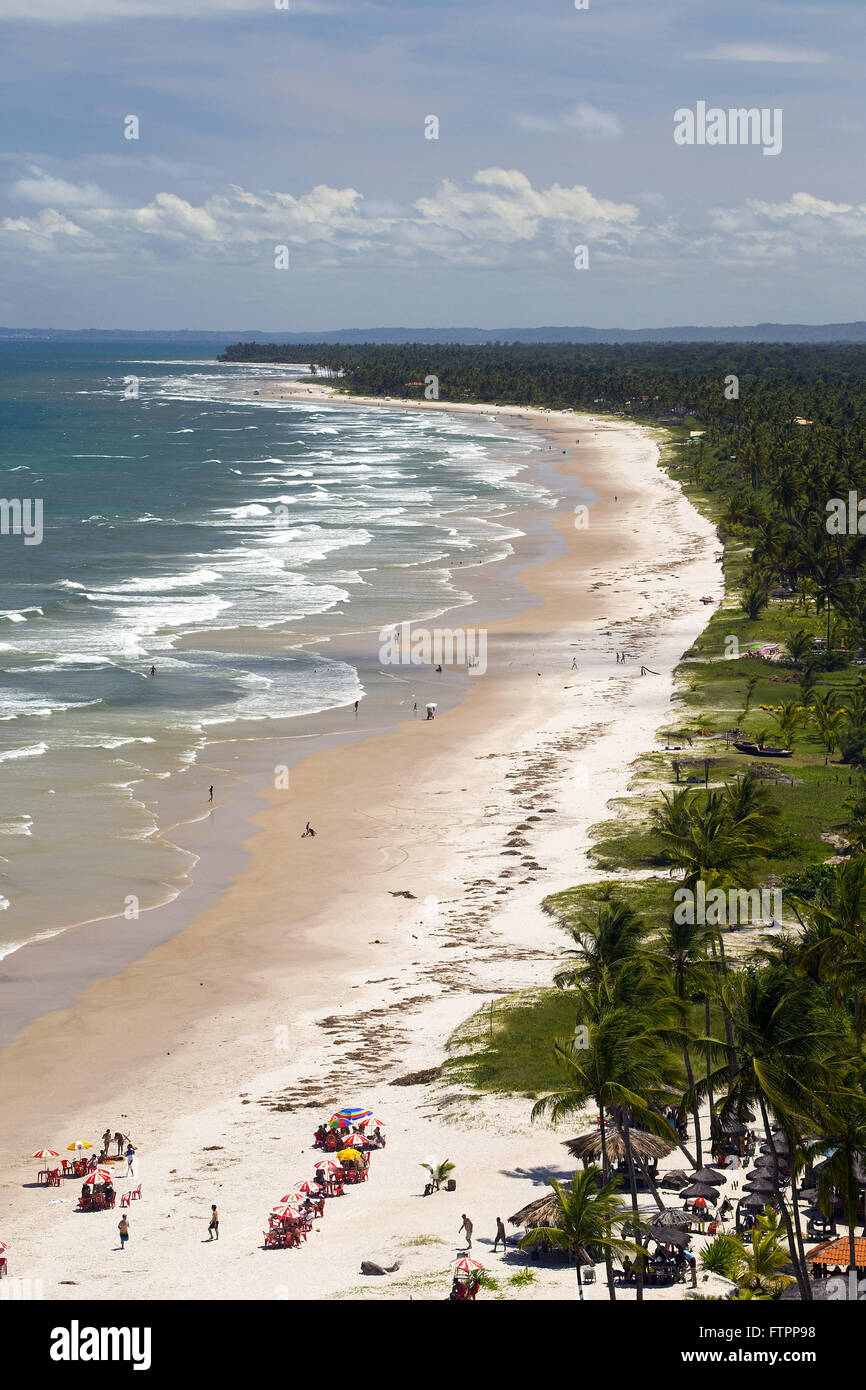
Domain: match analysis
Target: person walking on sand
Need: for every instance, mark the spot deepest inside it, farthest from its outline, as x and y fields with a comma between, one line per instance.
x=130, y=1160
x=466, y=1225
x=214, y=1227
x=123, y=1228
x=356, y=706
x=574, y=665
x=500, y=1235
x=106, y=1140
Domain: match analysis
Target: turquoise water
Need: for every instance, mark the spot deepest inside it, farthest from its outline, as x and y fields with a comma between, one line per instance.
x=222, y=539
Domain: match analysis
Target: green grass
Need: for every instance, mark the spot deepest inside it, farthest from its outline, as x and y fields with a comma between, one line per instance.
x=516, y=1055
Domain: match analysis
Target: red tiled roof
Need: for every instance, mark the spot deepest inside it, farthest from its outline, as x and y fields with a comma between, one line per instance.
x=837, y=1252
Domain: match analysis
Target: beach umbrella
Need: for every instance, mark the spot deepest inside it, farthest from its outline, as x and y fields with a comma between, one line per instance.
x=77, y=1145
x=700, y=1189
x=670, y=1235
x=306, y=1189
x=709, y=1175
x=329, y=1165
x=3, y=1246
x=378, y=1124
x=46, y=1153
x=295, y=1196
x=285, y=1211
x=465, y=1265
x=754, y=1201
x=98, y=1175
x=351, y=1115
x=671, y=1216
x=643, y=1145
x=348, y=1153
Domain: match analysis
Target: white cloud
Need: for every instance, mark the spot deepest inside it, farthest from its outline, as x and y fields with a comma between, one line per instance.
x=802, y=205
x=46, y=191
x=499, y=213
x=587, y=120
x=764, y=53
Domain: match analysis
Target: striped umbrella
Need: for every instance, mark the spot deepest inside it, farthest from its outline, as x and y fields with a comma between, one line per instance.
x=353, y=1140
x=329, y=1165
x=465, y=1265
x=46, y=1153
x=78, y=1144
x=3, y=1246
x=285, y=1211
x=99, y=1175
x=292, y=1198
x=362, y=1124
x=308, y=1189
x=352, y=1115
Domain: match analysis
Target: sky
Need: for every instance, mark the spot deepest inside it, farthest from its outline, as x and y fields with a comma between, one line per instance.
x=283, y=177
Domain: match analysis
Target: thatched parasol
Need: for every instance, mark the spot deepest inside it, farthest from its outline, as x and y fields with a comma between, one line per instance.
x=670, y=1235
x=711, y=1175
x=543, y=1211
x=671, y=1216
x=643, y=1145
x=700, y=1189
x=754, y=1201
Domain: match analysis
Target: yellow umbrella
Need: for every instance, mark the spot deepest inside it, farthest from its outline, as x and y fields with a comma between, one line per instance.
x=79, y=1144
x=348, y=1153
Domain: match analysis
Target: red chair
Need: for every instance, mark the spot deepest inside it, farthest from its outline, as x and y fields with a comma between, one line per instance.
x=43, y=1173
x=124, y=1199
x=135, y=1193
x=54, y=1177
x=3, y=1268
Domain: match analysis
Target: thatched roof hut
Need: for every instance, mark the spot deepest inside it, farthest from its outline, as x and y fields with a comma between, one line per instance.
x=643, y=1145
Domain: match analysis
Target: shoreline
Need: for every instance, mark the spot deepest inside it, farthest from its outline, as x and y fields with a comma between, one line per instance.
x=51, y=971
x=286, y=999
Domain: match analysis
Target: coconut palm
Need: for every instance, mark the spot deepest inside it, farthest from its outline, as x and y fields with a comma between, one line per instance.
x=603, y=944
x=782, y=1049
x=628, y=1066
x=843, y=1139
x=589, y=1212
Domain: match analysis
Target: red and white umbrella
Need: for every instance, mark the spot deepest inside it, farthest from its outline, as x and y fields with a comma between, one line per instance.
x=308, y=1189
x=3, y=1246
x=285, y=1211
x=46, y=1153
x=377, y=1124
x=329, y=1165
x=352, y=1140
x=292, y=1198
x=464, y=1265
x=98, y=1175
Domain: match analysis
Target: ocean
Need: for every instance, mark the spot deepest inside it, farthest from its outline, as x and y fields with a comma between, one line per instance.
x=226, y=540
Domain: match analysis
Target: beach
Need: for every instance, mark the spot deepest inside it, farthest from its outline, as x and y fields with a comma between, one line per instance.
x=326, y=969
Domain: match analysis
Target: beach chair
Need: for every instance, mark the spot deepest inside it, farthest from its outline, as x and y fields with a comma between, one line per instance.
x=124, y=1199
x=588, y=1276
x=135, y=1194
x=3, y=1267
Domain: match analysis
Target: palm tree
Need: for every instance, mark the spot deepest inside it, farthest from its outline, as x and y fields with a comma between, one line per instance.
x=629, y=1065
x=843, y=1139
x=683, y=951
x=589, y=1211
x=828, y=719
x=782, y=1046
x=603, y=945
x=438, y=1172
x=755, y=1265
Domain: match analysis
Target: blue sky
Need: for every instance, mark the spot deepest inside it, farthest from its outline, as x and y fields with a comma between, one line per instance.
x=305, y=127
